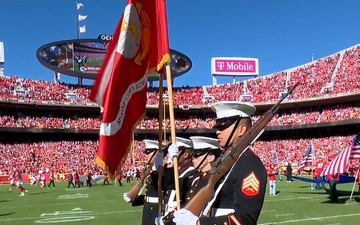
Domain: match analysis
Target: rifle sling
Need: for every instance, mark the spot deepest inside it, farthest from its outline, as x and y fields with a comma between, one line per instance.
x=232, y=132
x=210, y=203
x=202, y=161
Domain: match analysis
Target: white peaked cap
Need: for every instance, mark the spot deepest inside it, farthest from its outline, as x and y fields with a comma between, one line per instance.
x=183, y=142
x=151, y=144
x=225, y=109
x=204, y=142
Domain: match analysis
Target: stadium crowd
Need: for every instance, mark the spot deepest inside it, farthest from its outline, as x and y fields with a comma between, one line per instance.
x=324, y=77
x=66, y=156
x=328, y=76
x=329, y=114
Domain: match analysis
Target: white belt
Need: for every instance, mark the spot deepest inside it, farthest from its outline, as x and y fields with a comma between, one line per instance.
x=221, y=212
x=171, y=204
x=152, y=199
x=169, y=209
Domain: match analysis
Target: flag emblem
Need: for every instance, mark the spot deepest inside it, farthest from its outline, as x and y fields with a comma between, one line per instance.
x=139, y=46
x=132, y=31
x=250, y=185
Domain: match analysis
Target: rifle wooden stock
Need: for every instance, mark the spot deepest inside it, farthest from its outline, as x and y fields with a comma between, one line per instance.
x=224, y=163
x=134, y=192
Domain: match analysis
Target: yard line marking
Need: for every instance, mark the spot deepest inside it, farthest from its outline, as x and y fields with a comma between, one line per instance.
x=310, y=219
x=76, y=214
x=314, y=200
x=287, y=214
x=266, y=211
x=54, y=204
x=100, y=213
x=288, y=199
x=76, y=189
x=75, y=196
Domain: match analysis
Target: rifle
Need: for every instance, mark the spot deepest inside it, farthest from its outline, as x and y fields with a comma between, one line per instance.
x=225, y=162
x=134, y=192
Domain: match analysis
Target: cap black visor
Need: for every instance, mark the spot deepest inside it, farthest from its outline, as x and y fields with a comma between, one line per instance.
x=199, y=152
x=147, y=151
x=223, y=123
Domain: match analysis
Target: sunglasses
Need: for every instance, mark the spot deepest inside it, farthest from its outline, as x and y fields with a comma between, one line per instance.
x=198, y=154
x=148, y=152
x=224, y=123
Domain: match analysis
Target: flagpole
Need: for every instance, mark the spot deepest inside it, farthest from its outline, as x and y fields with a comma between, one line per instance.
x=77, y=21
x=133, y=147
x=312, y=164
x=169, y=81
x=353, y=188
x=277, y=165
x=161, y=118
x=164, y=120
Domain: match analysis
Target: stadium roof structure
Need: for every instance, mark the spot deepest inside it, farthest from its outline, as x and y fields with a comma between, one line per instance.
x=82, y=58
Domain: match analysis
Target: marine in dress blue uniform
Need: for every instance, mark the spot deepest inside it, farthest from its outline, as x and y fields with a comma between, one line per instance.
x=150, y=199
x=205, y=150
x=183, y=149
x=242, y=190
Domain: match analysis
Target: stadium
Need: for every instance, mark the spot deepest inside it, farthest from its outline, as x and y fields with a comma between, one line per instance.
x=53, y=127
x=39, y=117
x=325, y=109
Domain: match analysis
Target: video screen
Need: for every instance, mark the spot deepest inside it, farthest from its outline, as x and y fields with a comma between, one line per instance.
x=89, y=56
x=60, y=56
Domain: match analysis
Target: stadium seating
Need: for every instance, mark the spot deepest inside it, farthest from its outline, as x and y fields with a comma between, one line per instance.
x=337, y=74
x=65, y=156
x=329, y=114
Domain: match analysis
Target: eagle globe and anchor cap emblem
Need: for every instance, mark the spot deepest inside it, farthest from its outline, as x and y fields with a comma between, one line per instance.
x=134, y=40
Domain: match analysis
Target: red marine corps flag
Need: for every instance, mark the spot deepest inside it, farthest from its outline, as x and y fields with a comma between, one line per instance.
x=140, y=46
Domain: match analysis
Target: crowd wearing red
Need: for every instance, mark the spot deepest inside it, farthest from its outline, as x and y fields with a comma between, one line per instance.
x=66, y=156
x=334, y=75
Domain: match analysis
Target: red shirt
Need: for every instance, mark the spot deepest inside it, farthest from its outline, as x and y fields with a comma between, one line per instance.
x=271, y=175
x=119, y=176
x=318, y=171
x=331, y=177
x=76, y=177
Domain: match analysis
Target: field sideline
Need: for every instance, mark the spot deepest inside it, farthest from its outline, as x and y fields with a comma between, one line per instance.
x=295, y=204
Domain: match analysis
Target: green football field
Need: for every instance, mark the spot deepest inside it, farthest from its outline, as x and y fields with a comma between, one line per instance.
x=296, y=204
x=90, y=62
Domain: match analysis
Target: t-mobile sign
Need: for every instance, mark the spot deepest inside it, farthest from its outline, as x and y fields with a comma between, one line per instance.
x=230, y=66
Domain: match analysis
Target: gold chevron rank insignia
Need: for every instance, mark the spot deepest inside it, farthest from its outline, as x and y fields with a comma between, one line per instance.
x=250, y=185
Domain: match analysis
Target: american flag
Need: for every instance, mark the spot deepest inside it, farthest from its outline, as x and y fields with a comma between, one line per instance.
x=355, y=153
x=275, y=160
x=307, y=159
x=341, y=162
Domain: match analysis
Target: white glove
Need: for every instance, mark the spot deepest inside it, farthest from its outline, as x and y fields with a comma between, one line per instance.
x=158, y=161
x=173, y=151
x=159, y=220
x=185, y=217
x=126, y=197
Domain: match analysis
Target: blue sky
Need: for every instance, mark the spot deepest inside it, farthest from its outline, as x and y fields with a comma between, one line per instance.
x=281, y=33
